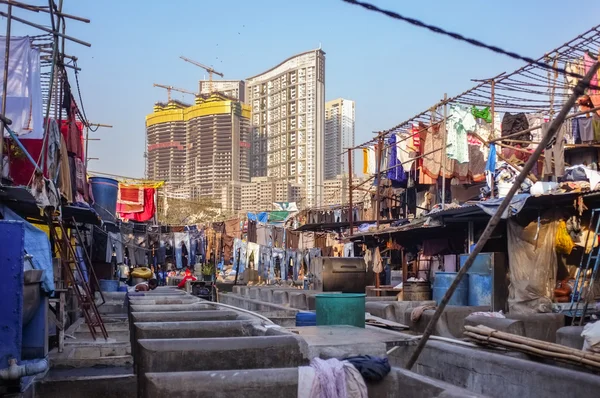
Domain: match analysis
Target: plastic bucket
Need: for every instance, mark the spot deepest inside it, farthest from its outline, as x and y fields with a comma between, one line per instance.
x=107, y=285
x=442, y=282
x=503, y=189
x=106, y=191
x=306, y=319
x=480, y=290
x=341, y=309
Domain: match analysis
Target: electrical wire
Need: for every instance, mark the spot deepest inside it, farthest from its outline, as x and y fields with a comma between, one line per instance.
x=460, y=37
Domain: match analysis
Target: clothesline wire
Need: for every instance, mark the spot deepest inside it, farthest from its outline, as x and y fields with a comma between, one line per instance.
x=460, y=37
x=570, y=46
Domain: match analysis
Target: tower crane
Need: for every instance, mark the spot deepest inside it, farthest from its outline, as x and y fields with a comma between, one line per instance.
x=206, y=68
x=169, y=88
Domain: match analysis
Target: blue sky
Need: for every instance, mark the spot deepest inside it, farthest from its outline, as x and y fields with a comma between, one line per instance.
x=391, y=69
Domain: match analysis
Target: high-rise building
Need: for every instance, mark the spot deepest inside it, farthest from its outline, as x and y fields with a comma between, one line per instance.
x=203, y=149
x=232, y=88
x=336, y=191
x=166, y=142
x=261, y=192
x=339, y=135
x=288, y=123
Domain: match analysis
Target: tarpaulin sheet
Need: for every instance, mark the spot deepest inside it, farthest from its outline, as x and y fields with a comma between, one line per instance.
x=38, y=246
x=532, y=264
x=259, y=217
x=516, y=205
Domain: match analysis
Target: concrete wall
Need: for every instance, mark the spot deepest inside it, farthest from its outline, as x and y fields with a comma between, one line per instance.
x=497, y=375
x=274, y=383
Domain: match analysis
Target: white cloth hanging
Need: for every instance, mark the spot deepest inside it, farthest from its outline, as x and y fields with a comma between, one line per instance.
x=24, y=89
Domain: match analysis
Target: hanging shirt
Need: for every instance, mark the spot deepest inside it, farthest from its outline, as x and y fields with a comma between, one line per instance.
x=365, y=161
x=459, y=122
x=403, y=151
x=371, y=162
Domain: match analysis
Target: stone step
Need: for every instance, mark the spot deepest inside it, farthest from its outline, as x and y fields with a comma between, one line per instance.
x=88, y=382
x=102, y=362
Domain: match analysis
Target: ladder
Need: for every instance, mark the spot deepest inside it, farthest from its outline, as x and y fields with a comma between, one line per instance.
x=70, y=264
x=587, y=272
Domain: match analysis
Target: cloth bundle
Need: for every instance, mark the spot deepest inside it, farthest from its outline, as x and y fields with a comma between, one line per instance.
x=333, y=378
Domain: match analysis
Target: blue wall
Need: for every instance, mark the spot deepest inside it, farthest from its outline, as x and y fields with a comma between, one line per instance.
x=11, y=287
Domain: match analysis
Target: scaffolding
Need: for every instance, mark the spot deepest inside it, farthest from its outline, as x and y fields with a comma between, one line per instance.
x=64, y=234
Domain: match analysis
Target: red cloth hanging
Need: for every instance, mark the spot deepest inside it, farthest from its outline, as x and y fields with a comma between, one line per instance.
x=147, y=213
x=21, y=170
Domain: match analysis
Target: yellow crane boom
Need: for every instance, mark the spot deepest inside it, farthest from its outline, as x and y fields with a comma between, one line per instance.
x=206, y=68
x=169, y=88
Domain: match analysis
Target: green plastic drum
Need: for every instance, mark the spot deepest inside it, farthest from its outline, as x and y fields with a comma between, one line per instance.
x=340, y=309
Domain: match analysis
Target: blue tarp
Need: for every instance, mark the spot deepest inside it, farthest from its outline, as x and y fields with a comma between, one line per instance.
x=259, y=217
x=37, y=245
x=516, y=205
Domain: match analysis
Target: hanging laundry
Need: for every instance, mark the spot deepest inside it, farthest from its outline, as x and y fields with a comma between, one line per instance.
x=278, y=263
x=477, y=160
x=371, y=160
x=588, y=61
x=555, y=151
x=395, y=169
x=576, y=67
x=490, y=166
x=433, y=151
x=148, y=211
x=365, y=153
x=405, y=151
x=512, y=124
x=24, y=89
x=377, y=261
x=349, y=249
x=483, y=114
x=252, y=255
x=460, y=121
x=264, y=265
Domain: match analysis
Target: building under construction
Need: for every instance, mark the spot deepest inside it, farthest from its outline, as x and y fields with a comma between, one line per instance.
x=166, y=143
x=201, y=149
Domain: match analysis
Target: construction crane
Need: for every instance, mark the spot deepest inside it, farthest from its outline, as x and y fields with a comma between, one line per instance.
x=206, y=68
x=169, y=88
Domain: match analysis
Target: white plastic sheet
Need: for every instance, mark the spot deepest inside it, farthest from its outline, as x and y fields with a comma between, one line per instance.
x=24, y=91
x=533, y=265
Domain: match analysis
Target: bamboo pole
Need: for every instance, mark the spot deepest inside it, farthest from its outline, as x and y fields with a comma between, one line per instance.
x=493, y=223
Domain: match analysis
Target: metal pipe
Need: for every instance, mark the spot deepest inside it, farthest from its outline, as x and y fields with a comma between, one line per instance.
x=15, y=372
x=40, y=27
x=5, y=87
x=42, y=9
x=493, y=223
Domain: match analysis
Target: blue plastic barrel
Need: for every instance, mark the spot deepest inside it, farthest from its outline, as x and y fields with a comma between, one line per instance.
x=341, y=309
x=306, y=319
x=105, y=192
x=107, y=285
x=480, y=290
x=442, y=282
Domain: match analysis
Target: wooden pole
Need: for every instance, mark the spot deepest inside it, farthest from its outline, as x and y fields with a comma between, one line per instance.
x=445, y=152
x=493, y=223
x=5, y=87
x=351, y=213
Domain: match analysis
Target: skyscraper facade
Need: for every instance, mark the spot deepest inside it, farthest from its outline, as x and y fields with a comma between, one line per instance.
x=288, y=123
x=339, y=135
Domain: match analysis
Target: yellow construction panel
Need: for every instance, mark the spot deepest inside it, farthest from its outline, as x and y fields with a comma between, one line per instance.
x=166, y=116
x=246, y=111
x=207, y=108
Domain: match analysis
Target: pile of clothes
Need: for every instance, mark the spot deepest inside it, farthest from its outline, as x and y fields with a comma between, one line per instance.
x=333, y=378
